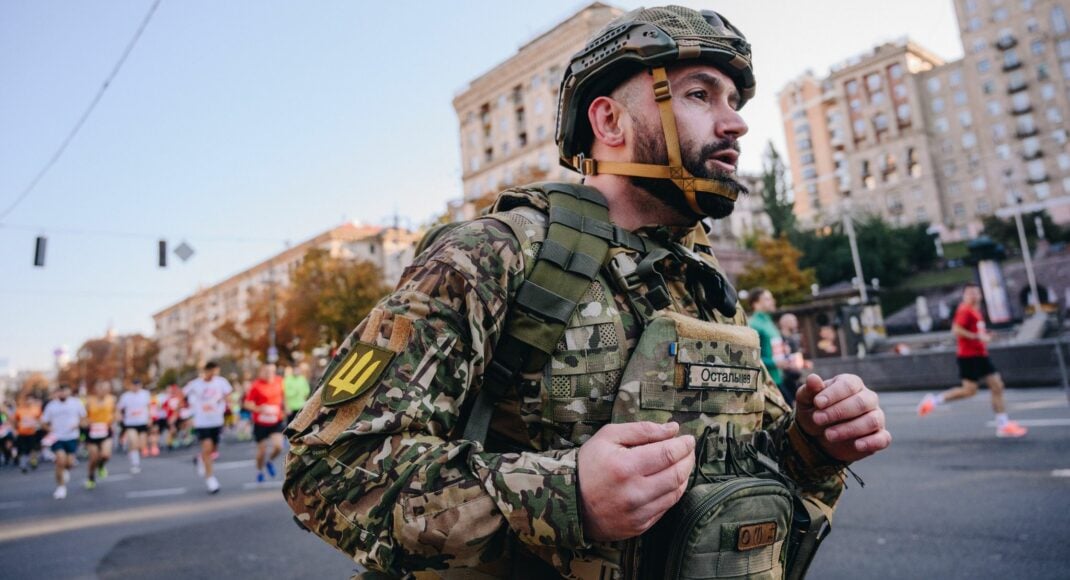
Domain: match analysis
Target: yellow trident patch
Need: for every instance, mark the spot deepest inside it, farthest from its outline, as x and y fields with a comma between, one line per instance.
x=360, y=369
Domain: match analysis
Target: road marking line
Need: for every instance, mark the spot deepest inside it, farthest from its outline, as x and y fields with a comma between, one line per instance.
x=33, y=528
x=233, y=465
x=1046, y=404
x=1060, y=473
x=117, y=477
x=1038, y=422
x=265, y=485
x=156, y=492
x=7, y=505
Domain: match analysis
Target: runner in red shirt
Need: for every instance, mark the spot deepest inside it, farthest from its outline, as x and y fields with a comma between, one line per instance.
x=974, y=365
x=264, y=400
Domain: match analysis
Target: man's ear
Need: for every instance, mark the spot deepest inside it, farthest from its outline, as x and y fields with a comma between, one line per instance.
x=608, y=120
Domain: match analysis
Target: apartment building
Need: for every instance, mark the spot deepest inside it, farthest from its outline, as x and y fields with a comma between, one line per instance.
x=900, y=133
x=507, y=115
x=184, y=331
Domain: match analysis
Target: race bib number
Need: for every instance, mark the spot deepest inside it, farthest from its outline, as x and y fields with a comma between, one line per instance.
x=208, y=408
x=135, y=414
x=28, y=423
x=270, y=414
x=98, y=430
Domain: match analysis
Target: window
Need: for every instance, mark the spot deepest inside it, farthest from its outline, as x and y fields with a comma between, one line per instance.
x=900, y=91
x=536, y=80
x=1041, y=190
x=501, y=100
x=1010, y=59
x=999, y=14
x=877, y=97
x=540, y=133
x=809, y=172
x=1063, y=49
x=488, y=154
x=1065, y=67
x=896, y=70
x=988, y=87
x=1047, y=91
x=1003, y=151
x=538, y=107
x=1020, y=101
x=975, y=23
x=983, y=206
x=807, y=158
x=959, y=210
x=938, y=105
x=994, y=108
x=960, y=98
x=971, y=6
x=473, y=164
x=1027, y=5
x=873, y=82
x=1059, y=136
x=856, y=104
x=999, y=132
x=954, y=78
x=1058, y=20
x=978, y=183
x=949, y=169
x=1036, y=170
x=983, y=66
x=979, y=45
x=1026, y=125
x=1053, y=115
x=934, y=84
x=1031, y=146
x=902, y=112
x=969, y=140
x=965, y=119
x=852, y=87
x=1064, y=161
x=1037, y=47
x=880, y=122
x=860, y=128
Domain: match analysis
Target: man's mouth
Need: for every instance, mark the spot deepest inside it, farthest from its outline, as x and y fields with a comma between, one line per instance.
x=725, y=160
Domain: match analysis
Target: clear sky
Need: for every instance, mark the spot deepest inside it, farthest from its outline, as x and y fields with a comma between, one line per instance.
x=240, y=126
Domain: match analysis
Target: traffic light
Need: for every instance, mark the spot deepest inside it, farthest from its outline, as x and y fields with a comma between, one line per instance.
x=39, y=252
x=163, y=254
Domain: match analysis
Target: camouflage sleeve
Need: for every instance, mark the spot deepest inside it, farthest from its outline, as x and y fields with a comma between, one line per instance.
x=819, y=475
x=382, y=477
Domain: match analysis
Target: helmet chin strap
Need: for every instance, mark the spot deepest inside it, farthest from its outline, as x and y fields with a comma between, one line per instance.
x=674, y=171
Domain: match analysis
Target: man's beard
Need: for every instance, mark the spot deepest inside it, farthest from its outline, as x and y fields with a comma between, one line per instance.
x=650, y=148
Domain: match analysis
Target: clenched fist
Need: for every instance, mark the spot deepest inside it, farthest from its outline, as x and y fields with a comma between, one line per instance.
x=630, y=474
x=843, y=415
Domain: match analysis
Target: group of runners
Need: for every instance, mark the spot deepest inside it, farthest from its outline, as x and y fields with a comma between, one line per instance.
x=140, y=422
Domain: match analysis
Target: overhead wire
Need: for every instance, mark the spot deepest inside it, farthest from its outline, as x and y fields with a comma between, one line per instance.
x=85, y=116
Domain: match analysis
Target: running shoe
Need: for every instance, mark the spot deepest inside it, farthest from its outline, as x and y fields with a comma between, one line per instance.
x=102, y=472
x=60, y=493
x=213, y=484
x=926, y=406
x=271, y=469
x=90, y=484
x=1011, y=429
x=154, y=452
x=260, y=477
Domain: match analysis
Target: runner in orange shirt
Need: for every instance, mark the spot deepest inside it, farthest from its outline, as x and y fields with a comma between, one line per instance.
x=264, y=399
x=28, y=431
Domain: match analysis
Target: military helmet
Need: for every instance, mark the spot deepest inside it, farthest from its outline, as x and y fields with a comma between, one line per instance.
x=646, y=39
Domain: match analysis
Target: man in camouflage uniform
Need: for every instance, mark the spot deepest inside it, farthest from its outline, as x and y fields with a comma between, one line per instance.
x=378, y=465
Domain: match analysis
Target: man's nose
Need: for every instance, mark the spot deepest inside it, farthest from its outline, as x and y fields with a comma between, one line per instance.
x=731, y=125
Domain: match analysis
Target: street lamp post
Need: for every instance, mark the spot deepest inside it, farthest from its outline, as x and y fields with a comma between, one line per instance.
x=1034, y=296
x=849, y=228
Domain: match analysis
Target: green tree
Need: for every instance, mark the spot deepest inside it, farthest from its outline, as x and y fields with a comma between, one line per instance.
x=1005, y=231
x=779, y=271
x=775, y=193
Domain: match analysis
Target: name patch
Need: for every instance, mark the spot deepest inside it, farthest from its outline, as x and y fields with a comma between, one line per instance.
x=722, y=377
x=756, y=536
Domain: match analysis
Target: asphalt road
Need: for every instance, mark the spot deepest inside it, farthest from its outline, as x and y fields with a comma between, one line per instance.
x=948, y=501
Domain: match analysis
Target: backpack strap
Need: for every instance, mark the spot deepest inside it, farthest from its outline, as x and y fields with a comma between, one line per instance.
x=574, y=250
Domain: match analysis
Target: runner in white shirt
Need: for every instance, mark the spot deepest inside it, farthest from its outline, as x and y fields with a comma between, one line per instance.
x=207, y=400
x=62, y=417
x=133, y=410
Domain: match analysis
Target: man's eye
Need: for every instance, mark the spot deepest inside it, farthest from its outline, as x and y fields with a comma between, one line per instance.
x=700, y=95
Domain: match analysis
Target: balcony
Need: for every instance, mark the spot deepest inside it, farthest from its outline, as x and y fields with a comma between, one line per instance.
x=1009, y=66
x=1036, y=180
x=1026, y=133
x=1022, y=110
x=1017, y=87
x=1029, y=156
x=1006, y=42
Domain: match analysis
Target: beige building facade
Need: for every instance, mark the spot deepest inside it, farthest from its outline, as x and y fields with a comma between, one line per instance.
x=185, y=330
x=899, y=133
x=507, y=115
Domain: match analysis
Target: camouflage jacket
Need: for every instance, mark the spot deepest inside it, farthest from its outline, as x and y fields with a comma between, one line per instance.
x=387, y=479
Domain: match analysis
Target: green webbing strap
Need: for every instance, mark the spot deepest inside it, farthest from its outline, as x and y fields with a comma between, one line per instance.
x=568, y=261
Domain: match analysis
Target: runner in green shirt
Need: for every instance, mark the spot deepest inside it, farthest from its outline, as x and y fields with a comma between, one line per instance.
x=762, y=304
x=295, y=389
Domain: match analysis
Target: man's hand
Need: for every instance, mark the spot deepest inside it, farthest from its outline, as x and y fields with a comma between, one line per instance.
x=843, y=415
x=630, y=474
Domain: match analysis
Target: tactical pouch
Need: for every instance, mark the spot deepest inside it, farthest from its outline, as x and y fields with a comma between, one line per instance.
x=811, y=523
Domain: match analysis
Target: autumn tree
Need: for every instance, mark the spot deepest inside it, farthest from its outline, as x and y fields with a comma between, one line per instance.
x=778, y=271
x=328, y=296
x=110, y=358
